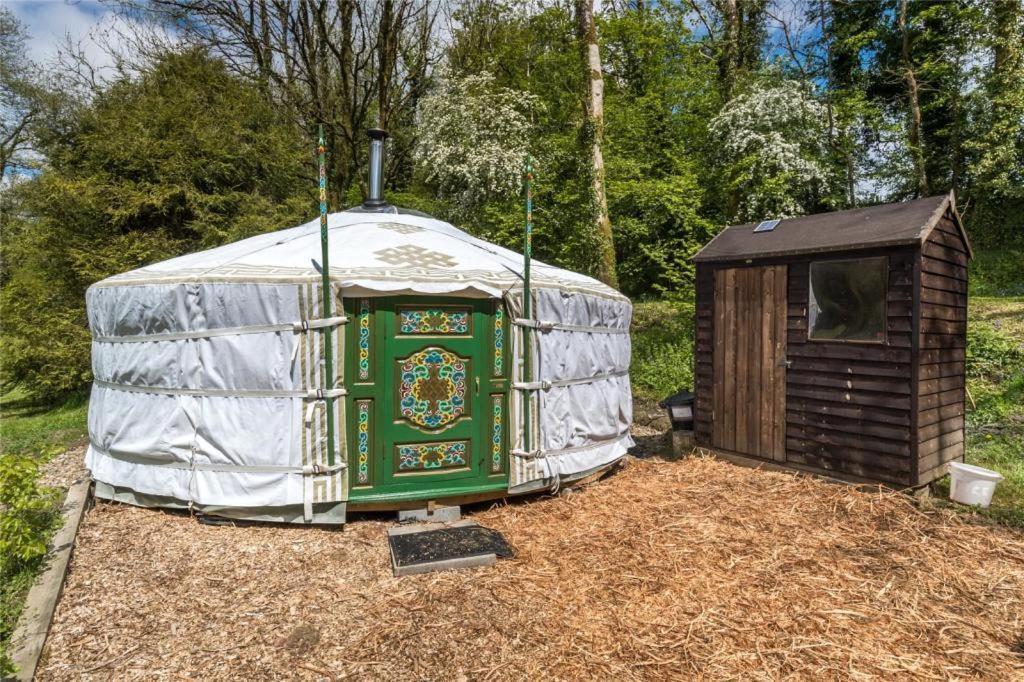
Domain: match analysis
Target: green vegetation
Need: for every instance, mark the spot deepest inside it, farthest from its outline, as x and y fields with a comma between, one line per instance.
x=30, y=434
x=662, y=336
x=995, y=417
x=184, y=157
x=40, y=430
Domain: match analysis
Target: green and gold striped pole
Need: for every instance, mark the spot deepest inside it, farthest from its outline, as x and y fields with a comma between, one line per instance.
x=527, y=311
x=328, y=296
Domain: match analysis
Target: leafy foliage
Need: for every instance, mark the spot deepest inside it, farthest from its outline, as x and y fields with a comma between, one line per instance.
x=473, y=139
x=773, y=155
x=183, y=157
x=28, y=516
x=662, y=336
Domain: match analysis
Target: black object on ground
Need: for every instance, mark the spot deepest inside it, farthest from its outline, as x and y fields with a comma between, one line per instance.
x=447, y=544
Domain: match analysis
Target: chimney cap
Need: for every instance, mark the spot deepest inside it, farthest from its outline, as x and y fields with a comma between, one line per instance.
x=376, y=133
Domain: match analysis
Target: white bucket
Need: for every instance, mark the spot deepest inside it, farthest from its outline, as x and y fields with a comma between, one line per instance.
x=972, y=485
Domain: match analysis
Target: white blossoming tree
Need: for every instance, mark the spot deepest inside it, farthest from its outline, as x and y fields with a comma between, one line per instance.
x=473, y=139
x=773, y=151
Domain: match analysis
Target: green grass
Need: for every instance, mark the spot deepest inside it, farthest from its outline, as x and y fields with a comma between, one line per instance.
x=995, y=407
x=41, y=431
x=998, y=272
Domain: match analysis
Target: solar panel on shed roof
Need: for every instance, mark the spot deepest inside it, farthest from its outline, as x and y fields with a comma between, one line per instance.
x=766, y=225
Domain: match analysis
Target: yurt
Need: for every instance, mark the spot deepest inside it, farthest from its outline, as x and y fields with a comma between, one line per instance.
x=215, y=388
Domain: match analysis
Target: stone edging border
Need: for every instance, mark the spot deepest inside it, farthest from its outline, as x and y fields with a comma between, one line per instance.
x=34, y=624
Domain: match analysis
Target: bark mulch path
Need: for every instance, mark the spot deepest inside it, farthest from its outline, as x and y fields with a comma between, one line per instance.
x=682, y=569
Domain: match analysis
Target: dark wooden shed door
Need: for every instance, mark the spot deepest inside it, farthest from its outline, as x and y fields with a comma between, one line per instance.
x=749, y=357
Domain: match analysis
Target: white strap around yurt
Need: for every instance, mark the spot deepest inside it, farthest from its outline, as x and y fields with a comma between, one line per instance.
x=545, y=385
x=311, y=394
x=543, y=326
x=308, y=470
x=296, y=327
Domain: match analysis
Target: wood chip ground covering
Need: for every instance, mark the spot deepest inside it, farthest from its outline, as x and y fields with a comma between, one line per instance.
x=687, y=569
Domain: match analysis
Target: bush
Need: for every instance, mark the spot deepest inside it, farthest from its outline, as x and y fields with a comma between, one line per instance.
x=28, y=516
x=662, y=335
x=998, y=273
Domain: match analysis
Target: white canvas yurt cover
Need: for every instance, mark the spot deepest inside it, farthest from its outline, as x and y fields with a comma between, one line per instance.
x=210, y=392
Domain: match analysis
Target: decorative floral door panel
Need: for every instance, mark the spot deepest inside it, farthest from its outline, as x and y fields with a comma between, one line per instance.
x=427, y=402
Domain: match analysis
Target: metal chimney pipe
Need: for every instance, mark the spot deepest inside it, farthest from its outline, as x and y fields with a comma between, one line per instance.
x=375, y=197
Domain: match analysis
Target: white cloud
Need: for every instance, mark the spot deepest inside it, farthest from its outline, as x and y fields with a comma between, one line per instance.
x=51, y=23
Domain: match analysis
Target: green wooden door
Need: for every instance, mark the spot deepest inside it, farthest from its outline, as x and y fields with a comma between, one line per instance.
x=428, y=397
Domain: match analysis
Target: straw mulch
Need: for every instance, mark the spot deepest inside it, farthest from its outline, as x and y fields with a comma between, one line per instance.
x=694, y=568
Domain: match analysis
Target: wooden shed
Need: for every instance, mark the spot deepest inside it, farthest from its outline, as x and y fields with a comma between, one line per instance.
x=835, y=343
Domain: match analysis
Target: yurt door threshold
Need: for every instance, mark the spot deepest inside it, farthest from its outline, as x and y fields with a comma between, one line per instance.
x=427, y=381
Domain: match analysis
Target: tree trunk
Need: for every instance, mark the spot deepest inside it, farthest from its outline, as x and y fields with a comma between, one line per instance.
x=594, y=108
x=728, y=56
x=913, y=102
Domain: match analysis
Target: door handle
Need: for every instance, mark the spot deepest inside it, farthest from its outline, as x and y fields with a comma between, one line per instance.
x=783, y=362
x=477, y=381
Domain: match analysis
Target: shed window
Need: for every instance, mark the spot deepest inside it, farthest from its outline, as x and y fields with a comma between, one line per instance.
x=847, y=300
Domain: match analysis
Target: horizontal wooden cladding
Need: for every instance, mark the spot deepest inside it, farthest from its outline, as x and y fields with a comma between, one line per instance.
x=940, y=414
x=872, y=352
x=852, y=368
x=867, y=457
x=929, y=295
x=849, y=397
x=900, y=448
x=863, y=413
x=932, y=326
x=928, y=357
x=943, y=340
x=950, y=383
x=951, y=397
x=944, y=283
x=703, y=334
x=937, y=459
x=940, y=442
x=940, y=371
x=834, y=422
x=950, y=241
x=940, y=268
x=862, y=470
x=944, y=253
x=931, y=311
x=941, y=427
x=854, y=382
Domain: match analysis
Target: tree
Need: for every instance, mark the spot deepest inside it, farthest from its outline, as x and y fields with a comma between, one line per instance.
x=593, y=137
x=21, y=99
x=999, y=171
x=772, y=142
x=660, y=95
x=473, y=140
x=347, y=64
x=914, y=141
x=183, y=157
x=736, y=32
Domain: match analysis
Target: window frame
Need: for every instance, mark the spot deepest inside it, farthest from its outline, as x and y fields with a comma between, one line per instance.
x=885, y=300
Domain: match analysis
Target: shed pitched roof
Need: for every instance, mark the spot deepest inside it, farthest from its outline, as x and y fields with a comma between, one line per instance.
x=899, y=224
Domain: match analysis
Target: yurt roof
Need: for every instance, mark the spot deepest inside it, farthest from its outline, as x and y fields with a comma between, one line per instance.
x=377, y=253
